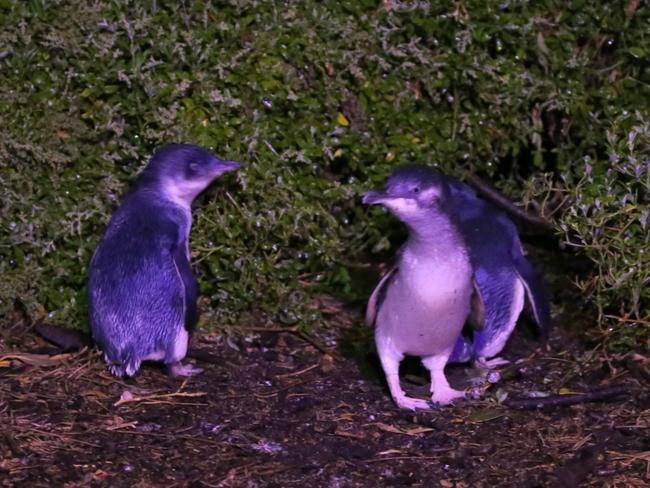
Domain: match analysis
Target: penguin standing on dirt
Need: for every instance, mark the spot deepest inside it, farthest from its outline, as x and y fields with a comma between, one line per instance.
x=462, y=262
x=141, y=288
x=419, y=307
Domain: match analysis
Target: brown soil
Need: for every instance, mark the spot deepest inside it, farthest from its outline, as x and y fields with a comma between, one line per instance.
x=272, y=410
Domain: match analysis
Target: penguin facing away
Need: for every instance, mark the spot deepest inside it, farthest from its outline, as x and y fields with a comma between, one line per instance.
x=462, y=262
x=141, y=289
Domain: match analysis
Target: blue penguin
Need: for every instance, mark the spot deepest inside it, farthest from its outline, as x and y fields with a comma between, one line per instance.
x=463, y=261
x=141, y=289
x=419, y=308
x=503, y=275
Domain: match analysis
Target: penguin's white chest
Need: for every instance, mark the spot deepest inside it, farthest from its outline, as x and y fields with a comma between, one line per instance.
x=427, y=303
x=436, y=283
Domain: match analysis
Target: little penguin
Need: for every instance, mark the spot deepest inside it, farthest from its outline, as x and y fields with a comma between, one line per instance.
x=141, y=289
x=419, y=307
x=503, y=275
x=441, y=212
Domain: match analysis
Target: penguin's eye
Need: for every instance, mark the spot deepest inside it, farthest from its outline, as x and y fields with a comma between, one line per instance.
x=416, y=190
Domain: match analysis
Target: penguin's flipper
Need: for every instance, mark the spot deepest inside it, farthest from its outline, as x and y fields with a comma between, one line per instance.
x=534, y=289
x=503, y=292
x=182, y=263
x=477, y=308
x=377, y=297
x=463, y=351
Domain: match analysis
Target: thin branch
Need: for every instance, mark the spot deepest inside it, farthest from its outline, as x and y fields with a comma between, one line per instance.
x=295, y=330
x=497, y=198
x=411, y=458
x=608, y=393
x=627, y=319
x=159, y=398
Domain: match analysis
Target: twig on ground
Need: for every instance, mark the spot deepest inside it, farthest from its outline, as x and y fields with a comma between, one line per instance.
x=159, y=398
x=173, y=436
x=298, y=373
x=411, y=458
x=608, y=393
x=279, y=390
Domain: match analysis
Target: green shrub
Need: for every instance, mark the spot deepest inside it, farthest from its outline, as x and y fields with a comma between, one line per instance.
x=320, y=100
x=608, y=221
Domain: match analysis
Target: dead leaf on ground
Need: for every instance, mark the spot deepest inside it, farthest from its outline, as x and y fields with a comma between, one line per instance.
x=486, y=415
x=346, y=433
x=39, y=360
x=398, y=430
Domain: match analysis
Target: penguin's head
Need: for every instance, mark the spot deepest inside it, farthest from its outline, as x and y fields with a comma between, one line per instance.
x=411, y=192
x=182, y=171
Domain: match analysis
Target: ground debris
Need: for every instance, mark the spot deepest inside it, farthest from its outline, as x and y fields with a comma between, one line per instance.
x=564, y=399
x=280, y=412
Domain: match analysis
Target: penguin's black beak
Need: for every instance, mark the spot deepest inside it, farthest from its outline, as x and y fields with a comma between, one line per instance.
x=227, y=165
x=374, y=197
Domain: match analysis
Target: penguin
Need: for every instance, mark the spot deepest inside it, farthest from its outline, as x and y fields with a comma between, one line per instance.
x=503, y=273
x=462, y=262
x=420, y=307
x=141, y=290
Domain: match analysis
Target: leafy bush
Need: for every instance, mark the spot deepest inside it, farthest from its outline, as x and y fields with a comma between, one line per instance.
x=608, y=221
x=320, y=100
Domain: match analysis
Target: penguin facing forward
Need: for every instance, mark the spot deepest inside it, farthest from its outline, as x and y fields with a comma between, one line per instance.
x=419, y=308
x=463, y=261
x=141, y=289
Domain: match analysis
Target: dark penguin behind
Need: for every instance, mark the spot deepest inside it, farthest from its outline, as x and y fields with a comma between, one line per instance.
x=142, y=291
x=503, y=273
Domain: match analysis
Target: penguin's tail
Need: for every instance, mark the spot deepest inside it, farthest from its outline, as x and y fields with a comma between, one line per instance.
x=65, y=338
x=128, y=364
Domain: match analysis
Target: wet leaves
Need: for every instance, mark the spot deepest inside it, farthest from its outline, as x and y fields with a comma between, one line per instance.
x=505, y=90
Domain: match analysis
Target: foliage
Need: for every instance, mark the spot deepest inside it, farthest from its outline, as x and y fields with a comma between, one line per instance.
x=608, y=220
x=320, y=100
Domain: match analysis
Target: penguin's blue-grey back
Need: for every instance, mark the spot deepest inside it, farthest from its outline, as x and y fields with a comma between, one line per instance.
x=136, y=302
x=142, y=291
x=499, y=263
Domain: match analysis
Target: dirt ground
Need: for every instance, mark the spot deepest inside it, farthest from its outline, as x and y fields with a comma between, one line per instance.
x=272, y=409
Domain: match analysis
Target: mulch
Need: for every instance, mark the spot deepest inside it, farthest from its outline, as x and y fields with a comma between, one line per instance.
x=281, y=408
